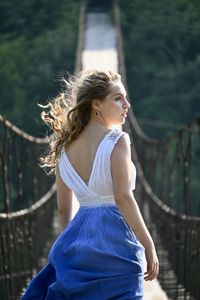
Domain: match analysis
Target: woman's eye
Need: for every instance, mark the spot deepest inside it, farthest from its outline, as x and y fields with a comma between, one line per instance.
x=118, y=99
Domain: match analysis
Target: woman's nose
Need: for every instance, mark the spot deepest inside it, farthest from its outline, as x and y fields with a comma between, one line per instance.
x=126, y=104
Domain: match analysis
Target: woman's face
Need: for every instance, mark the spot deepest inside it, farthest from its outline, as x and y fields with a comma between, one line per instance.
x=115, y=106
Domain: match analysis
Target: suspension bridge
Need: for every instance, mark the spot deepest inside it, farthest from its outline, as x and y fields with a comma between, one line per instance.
x=165, y=191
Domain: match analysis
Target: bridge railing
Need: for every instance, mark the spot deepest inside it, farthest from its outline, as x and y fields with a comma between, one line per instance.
x=23, y=185
x=171, y=168
x=167, y=192
x=23, y=237
x=23, y=181
x=177, y=238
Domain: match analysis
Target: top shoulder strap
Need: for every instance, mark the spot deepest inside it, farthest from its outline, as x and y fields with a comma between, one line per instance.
x=115, y=135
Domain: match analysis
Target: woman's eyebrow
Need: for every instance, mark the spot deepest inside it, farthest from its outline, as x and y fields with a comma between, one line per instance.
x=123, y=95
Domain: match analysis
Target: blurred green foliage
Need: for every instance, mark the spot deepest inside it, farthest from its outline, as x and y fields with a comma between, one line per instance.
x=162, y=57
x=162, y=53
x=37, y=45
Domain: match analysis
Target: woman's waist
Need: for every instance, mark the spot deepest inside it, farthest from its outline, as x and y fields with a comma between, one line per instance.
x=96, y=201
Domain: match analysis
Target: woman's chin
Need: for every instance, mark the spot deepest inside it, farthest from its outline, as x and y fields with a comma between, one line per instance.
x=119, y=122
x=123, y=120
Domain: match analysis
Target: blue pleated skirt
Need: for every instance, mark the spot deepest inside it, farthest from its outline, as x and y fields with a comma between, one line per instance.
x=97, y=257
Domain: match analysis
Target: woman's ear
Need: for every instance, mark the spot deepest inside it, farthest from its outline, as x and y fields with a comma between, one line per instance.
x=96, y=104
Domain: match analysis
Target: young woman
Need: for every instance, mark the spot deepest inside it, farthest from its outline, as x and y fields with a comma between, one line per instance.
x=100, y=254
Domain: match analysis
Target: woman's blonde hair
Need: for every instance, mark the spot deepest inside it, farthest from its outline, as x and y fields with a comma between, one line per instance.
x=70, y=111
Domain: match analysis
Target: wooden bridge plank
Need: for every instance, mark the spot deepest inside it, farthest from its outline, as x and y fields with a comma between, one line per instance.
x=100, y=52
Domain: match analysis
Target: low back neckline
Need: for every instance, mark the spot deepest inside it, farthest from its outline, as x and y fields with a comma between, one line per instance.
x=86, y=183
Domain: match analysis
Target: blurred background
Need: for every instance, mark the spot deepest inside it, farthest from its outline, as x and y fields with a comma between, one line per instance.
x=155, y=46
x=37, y=45
x=161, y=47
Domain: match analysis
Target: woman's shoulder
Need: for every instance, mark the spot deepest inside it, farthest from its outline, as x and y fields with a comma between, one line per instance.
x=119, y=135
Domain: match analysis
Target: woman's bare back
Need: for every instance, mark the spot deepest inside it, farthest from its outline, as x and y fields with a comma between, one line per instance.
x=81, y=152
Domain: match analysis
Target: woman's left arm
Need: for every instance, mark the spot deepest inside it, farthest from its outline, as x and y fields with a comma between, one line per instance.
x=64, y=201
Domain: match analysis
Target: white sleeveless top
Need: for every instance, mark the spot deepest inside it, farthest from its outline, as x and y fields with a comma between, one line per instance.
x=99, y=189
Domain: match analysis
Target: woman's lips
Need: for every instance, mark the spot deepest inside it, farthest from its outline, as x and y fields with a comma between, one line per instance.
x=124, y=115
